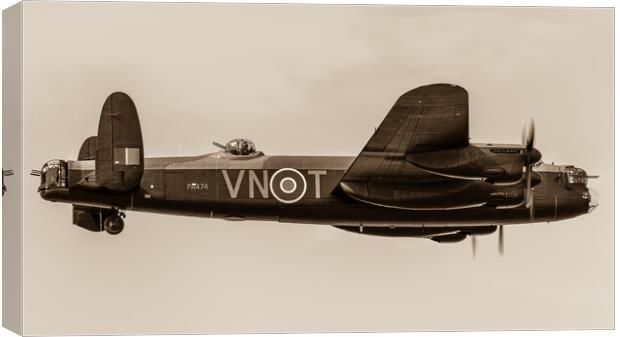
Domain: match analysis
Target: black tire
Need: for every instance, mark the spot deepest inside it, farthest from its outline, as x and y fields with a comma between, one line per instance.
x=113, y=224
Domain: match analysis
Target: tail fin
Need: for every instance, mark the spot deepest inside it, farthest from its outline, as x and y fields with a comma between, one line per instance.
x=88, y=151
x=119, y=158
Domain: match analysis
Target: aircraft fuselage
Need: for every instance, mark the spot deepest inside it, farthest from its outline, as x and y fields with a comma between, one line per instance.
x=295, y=189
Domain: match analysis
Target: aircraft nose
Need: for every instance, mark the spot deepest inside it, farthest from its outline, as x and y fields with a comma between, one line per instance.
x=592, y=199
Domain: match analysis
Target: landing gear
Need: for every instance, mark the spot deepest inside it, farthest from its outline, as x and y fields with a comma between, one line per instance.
x=114, y=223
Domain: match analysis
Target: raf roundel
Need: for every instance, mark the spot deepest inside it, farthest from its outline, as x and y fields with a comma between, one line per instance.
x=287, y=185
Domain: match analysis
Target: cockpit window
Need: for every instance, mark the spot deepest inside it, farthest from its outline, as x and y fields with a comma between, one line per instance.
x=576, y=176
x=240, y=147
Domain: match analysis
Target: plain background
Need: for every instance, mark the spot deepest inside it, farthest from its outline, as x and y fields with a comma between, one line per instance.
x=312, y=80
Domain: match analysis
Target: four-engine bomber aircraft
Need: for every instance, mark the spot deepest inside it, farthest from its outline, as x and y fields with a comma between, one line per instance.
x=418, y=176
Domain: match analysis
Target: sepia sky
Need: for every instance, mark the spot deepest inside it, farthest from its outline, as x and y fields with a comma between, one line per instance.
x=312, y=80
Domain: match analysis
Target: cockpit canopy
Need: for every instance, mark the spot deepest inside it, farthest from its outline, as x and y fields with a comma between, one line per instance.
x=240, y=147
x=576, y=175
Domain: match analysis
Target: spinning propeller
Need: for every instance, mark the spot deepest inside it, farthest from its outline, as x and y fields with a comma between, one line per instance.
x=530, y=157
x=473, y=246
x=500, y=246
x=500, y=243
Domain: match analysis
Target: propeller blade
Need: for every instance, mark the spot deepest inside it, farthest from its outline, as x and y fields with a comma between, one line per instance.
x=473, y=246
x=527, y=135
x=500, y=243
x=530, y=157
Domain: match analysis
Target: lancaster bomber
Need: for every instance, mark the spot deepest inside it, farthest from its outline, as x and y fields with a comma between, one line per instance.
x=418, y=176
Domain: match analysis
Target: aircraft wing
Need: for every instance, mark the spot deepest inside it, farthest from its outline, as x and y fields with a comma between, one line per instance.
x=428, y=118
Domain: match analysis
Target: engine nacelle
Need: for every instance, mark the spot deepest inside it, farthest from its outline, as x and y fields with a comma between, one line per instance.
x=441, y=195
x=494, y=163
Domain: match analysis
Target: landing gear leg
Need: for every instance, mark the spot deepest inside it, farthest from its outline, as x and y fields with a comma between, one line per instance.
x=114, y=224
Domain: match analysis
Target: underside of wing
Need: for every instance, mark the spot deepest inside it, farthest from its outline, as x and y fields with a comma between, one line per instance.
x=444, y=234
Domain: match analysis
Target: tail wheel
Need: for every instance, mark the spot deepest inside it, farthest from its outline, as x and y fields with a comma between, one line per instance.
x=114, y=224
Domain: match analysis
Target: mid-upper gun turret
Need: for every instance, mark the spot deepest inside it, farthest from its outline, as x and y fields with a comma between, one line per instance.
x=238, y=147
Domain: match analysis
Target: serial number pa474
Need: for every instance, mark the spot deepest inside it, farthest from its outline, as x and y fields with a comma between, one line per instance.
x=197, y=186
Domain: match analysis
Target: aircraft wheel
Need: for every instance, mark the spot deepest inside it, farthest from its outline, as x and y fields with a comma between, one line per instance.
x=113, y=224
